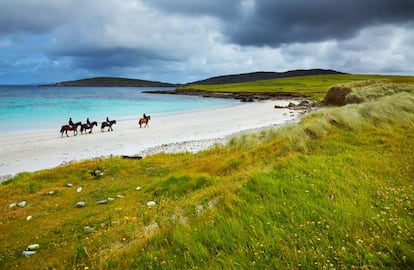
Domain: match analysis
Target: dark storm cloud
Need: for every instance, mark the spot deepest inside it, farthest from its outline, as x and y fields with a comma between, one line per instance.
x=271, y=23
x=100, y=59
x=223, y=8
x=279, y=22
x=25, y=16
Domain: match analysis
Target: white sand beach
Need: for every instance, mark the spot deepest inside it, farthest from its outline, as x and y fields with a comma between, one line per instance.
x=32, y=151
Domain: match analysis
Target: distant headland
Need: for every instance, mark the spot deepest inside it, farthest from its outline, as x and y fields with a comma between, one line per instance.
x=225, y=79
x=111, y=82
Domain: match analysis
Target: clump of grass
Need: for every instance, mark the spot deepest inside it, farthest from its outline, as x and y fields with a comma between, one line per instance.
x=178, y=185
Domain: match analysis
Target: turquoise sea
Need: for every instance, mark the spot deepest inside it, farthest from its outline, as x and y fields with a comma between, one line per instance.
x=29, y=108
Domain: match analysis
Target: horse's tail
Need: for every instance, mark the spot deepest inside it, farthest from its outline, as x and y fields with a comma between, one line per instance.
x=62, y=129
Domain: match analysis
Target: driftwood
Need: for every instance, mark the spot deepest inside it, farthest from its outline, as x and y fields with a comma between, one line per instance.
x=132, y=157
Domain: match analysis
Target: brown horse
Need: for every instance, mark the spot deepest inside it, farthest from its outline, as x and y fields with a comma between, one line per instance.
x=143, y=121
x=74, y=128
x=108, y=124
x=86, y=126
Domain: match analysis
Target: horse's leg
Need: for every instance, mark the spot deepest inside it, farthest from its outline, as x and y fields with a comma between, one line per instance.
x=66, y=131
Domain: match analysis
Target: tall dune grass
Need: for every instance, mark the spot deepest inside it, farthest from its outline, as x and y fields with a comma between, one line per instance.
x=393, y=110
x=371, y=90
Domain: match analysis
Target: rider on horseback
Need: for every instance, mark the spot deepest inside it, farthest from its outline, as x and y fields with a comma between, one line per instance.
x=88, y=122
x=71, y=122
x=144, y=120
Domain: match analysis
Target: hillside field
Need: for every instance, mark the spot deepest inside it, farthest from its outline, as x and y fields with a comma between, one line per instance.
x=313, y=87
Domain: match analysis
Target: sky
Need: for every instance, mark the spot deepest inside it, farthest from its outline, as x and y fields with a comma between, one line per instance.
x=180, y=41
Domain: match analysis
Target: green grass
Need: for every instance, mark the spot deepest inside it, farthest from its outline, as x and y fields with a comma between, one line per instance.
x=334, y=191
x=314, y=87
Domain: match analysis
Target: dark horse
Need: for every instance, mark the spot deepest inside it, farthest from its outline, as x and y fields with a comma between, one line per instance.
x=84, y=127
x=74, y=127
x=143, y=121
x=108, y=124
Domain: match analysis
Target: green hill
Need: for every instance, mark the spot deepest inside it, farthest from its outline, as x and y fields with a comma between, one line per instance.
x=112, y=82
x=261, y=75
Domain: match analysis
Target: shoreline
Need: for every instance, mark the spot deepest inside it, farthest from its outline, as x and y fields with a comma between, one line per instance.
x=33, y=151
x=242, y=96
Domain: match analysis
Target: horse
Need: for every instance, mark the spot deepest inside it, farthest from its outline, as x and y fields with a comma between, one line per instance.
x=108, y=124
x=144, y=121
x=84, y=127
x=74, y=127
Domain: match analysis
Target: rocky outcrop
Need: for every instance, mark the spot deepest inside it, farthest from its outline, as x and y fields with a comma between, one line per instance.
x=303, y=105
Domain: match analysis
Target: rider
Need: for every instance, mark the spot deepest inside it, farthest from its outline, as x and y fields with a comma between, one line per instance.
x=145, y=116
x=107, y=119
x=88, y=122
x=70, y=122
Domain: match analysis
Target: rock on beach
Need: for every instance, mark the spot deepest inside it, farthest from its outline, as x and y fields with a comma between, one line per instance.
x=80, y=204
x=27, y=253
x=151, y=203
x=102, y=202
x=22, y=204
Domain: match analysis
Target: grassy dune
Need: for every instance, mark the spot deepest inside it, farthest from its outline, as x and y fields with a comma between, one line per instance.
x=334, y=191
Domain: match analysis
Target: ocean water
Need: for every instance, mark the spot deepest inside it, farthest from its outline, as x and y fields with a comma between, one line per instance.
x=30, y=108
